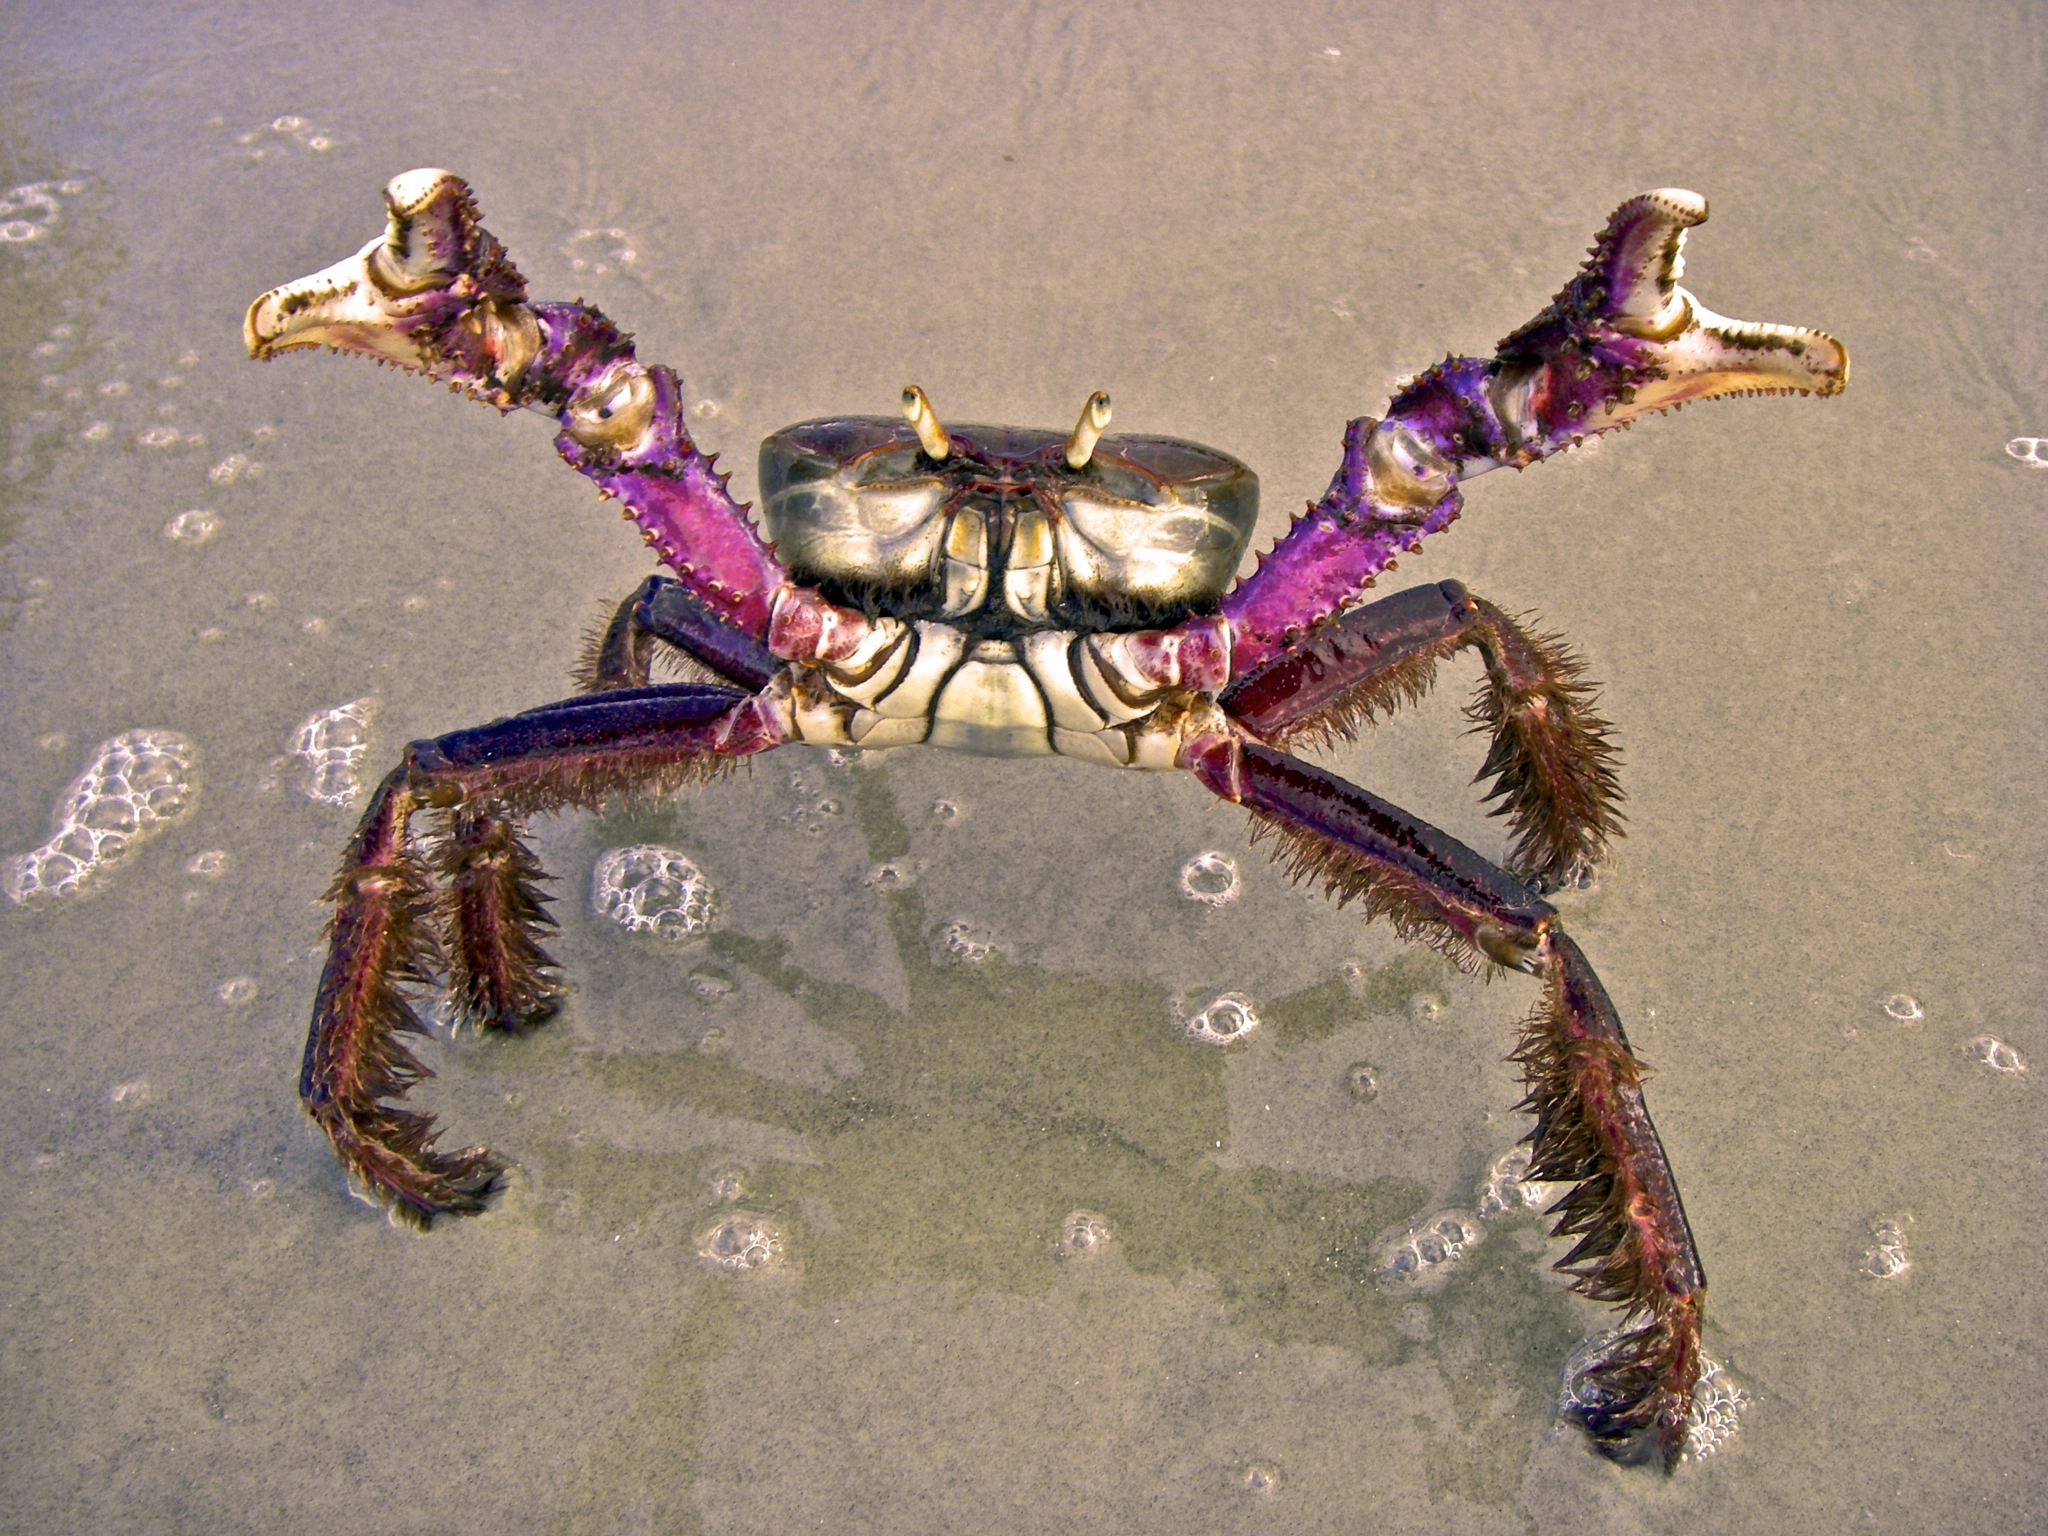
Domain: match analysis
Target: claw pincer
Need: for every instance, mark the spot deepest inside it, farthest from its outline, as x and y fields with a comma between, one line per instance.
x=1019, y=593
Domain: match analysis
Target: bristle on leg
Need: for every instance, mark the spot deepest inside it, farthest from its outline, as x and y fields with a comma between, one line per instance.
x=382, y=945
x=1552, y=757
x=492, y=914
x=1634, y=1248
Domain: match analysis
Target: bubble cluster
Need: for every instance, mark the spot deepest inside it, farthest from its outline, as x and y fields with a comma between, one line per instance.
x=1426, y=1254
x=1903, y=1008
x=281, y=134
x=600, y=251
x=1713, y=1416
x=738, y=1242
x=234, y=468
x=2030, y=450
x=134, y=786
x=649, y=889
x=1210, y=878
x=1996, y=1055
x=194, y=527
x=896, y=875
x=945, y=812
x=1886, y=1257
x=1507, y=1190
x=1227, y=1020
x=955, y=943
x=1083, y=1235
x=809, y=808
x=33, y=209
x=332, y=744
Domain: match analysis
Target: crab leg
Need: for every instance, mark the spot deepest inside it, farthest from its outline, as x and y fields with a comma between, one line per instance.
x=1619, y=341
x=1551, y=760
x=621, y=654
x=436, y=294
x=390, y=927
x=1635, y=1249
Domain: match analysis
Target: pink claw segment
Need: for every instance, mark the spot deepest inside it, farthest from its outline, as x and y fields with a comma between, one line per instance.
x=1194, y=655
x=1329, y=558
x=807, y=627
x=670, y=490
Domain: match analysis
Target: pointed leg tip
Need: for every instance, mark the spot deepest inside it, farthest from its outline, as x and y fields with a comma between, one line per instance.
x=457, y=1184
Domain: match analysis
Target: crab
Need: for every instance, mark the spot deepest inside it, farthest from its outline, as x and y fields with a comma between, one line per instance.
x=1021, y=593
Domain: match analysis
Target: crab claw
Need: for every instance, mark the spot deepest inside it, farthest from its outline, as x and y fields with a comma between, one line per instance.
x=1620, y=340
x=435, y=293
x=1623, y=339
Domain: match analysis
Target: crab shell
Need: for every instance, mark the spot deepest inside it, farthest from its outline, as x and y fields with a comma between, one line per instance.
x=994, y=574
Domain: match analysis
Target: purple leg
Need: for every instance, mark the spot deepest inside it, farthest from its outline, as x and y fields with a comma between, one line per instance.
x=1550, y=757
x=620, y=654
x=391, y=926
x=437, y=294
x=1634, y=1248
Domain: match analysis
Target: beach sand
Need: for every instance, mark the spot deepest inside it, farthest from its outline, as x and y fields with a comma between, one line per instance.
x=1819, y=626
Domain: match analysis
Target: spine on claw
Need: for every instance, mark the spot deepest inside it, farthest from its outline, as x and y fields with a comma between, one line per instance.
x=1621, y=340
x=436, y=294
x=1335, y=552
x=622, y=427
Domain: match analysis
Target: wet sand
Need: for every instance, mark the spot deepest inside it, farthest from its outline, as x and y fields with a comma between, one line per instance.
x=1818, y=624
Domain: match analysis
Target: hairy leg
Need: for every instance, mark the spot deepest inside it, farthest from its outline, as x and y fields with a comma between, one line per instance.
x=1634, y=1247
x=390, y=930
x=437, y=294
x=1550, y=757
x=620, y=652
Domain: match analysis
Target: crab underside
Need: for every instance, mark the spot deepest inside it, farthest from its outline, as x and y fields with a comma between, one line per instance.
x=1017, y=593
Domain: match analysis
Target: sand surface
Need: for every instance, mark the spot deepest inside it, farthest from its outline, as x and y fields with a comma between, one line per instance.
x=1819, y=624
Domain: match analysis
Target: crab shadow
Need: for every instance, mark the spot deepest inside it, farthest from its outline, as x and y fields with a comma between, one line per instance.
x=967, y=1120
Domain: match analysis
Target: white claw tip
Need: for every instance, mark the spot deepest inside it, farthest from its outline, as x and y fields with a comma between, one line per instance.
x=409, y=191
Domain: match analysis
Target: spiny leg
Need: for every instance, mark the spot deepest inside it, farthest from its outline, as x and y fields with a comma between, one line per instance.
x=1551, y=759
x=491, y=914
x=661, y=611
x=1634, y=1247
x=384, y=939
x=381, y=944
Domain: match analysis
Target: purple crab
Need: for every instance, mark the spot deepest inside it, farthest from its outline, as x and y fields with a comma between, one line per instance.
x=1017, y=593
